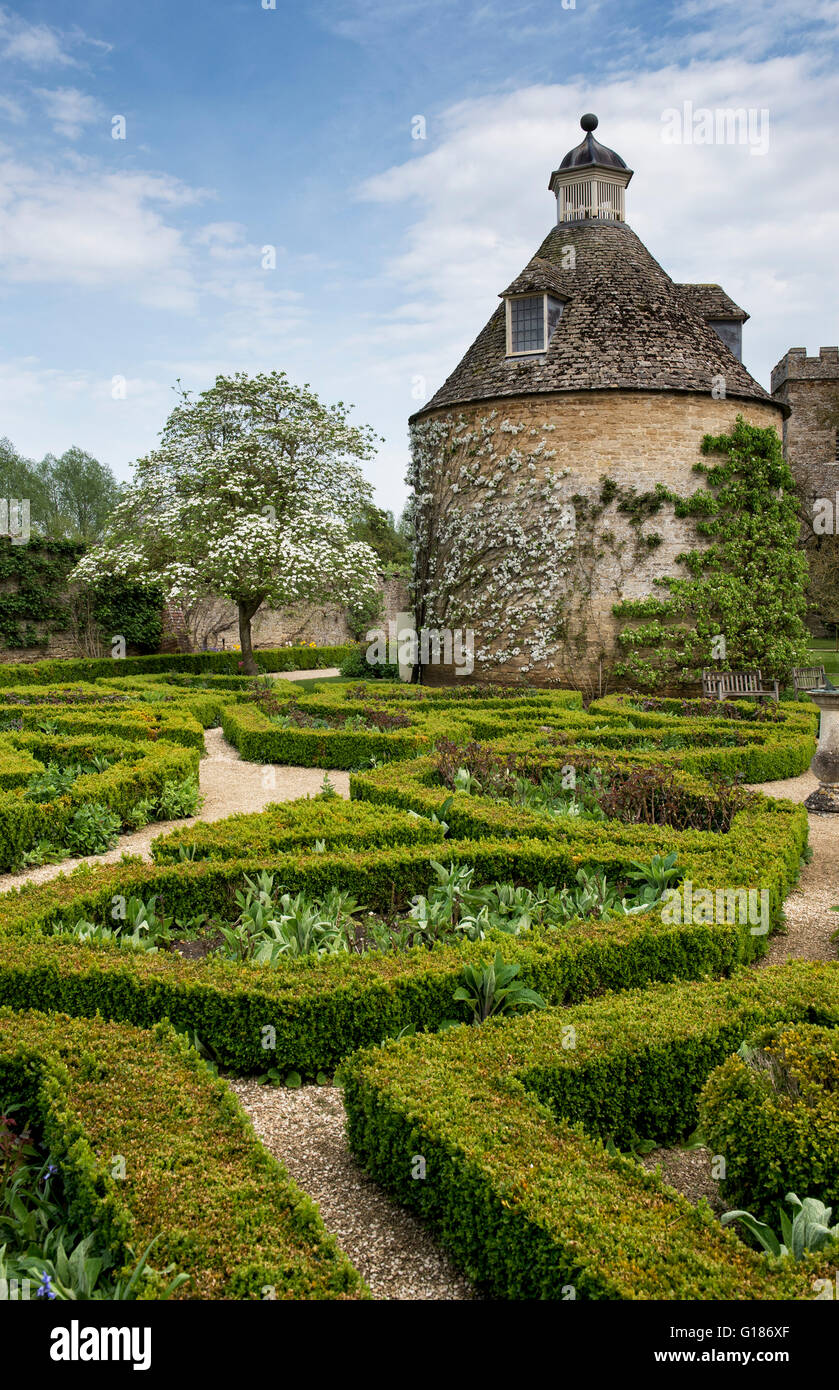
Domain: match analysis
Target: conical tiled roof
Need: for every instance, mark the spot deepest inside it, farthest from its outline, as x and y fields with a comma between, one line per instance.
x=625, y=326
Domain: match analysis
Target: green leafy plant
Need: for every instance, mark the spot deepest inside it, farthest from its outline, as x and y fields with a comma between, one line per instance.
x=141, y=813
x=808, y=1229
x=44, y=852
x=179, y=799
x=492, y=991
x=39, y=1240
x=53, y=782
x=93, y=829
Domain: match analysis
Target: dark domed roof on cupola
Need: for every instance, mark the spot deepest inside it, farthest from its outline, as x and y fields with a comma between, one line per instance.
x=590, y=151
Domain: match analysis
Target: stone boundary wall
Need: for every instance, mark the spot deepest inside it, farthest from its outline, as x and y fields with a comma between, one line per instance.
x=325, y=625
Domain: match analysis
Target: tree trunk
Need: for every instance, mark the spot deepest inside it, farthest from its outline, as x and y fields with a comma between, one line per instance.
x=247, y=609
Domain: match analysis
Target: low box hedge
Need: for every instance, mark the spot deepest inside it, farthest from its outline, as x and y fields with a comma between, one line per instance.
x=259, y=740
x=773, y=1115
x=138, y=772
x=221, y=1209
x=516, y=1183
x=89, y=668
x=323, y=1008
x=289, y=825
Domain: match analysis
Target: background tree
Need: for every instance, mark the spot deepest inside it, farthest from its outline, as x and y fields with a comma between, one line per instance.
x=248, y=497
x=71, y=498
x=823, y=585
x=82, y=494
x=377, y=529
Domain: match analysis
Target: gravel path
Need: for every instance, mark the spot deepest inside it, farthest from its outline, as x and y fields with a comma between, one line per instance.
x=228, y=784
x=305, y=1129
x=317, y=674
x=810, y=920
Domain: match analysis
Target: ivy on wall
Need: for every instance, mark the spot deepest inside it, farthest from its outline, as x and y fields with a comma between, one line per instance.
x=125, y=609
x=746, y=586
x=605, y=551
x=32, y=590
x=35, y=601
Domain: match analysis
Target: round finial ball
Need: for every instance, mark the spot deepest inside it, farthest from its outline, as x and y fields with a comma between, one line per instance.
x=589, y=122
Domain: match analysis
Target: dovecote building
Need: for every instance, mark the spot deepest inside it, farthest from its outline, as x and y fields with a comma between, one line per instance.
x=594, y=365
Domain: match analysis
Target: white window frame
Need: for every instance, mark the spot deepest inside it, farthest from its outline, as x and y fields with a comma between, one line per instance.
x=530, y=294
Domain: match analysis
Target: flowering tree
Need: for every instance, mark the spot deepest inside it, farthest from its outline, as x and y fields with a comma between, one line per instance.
x=247, y=498
x=494, y=535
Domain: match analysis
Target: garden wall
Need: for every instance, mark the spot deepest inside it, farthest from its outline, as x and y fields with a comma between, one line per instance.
x=326, y=625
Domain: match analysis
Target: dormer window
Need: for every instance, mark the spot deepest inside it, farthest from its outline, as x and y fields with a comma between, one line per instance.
x=531, y=320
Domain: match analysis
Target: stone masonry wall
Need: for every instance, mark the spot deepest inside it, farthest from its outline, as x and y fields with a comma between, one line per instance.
x=325, y=625
x=809, y=385
x=637, y=439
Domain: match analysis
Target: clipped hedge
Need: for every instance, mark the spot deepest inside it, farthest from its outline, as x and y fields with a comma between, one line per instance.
x=137, y=772
x=87, y=668
x=774, y=1118
x=322, y=1009
x=517, y=1184
x=259, y=740
x=223, y=1211
x=510, y=1122
x=283, y=826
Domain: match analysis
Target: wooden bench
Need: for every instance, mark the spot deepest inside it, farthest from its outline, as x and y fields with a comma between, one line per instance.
x=735, y=685
x=808, y=678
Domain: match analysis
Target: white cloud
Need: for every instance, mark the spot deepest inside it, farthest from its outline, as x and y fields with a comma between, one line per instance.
x=69, y=109
x=36, y=45
x=94, y=229
x=11, y=109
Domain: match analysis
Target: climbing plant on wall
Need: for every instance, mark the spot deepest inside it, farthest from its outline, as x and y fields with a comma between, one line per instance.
x=32, y=583
x=36, y=601
x=494, y=528
x=130, y=611
x=747, y=585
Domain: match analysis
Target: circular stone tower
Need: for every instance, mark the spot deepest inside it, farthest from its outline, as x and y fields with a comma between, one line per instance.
x=537, y=462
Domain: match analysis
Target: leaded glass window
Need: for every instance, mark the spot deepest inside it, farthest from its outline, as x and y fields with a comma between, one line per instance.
x=527, y=328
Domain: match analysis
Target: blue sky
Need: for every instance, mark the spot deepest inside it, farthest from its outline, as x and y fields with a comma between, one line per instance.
x=291, y=127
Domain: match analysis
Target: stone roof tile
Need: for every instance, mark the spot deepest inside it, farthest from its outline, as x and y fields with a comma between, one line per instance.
x=625, y=326
x=712, y=302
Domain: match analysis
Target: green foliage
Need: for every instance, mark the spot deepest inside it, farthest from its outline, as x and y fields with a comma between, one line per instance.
x=92, y=829
x=377, y=529
x=85, y=669
x=178, y=799
x=521, y=1184
x=808, y=1230
x=33, y=577
x=357, y=923
x=492, y=991
x=356, y=664
x=746, y=584
x=248, y=474
x=772, y=1111
x=192, y=1166
x=129, y=610
x=39, y=1240
x=71, y=497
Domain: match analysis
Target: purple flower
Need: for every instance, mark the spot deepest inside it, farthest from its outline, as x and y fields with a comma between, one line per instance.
x=49, y=1173
x=45, y=1288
